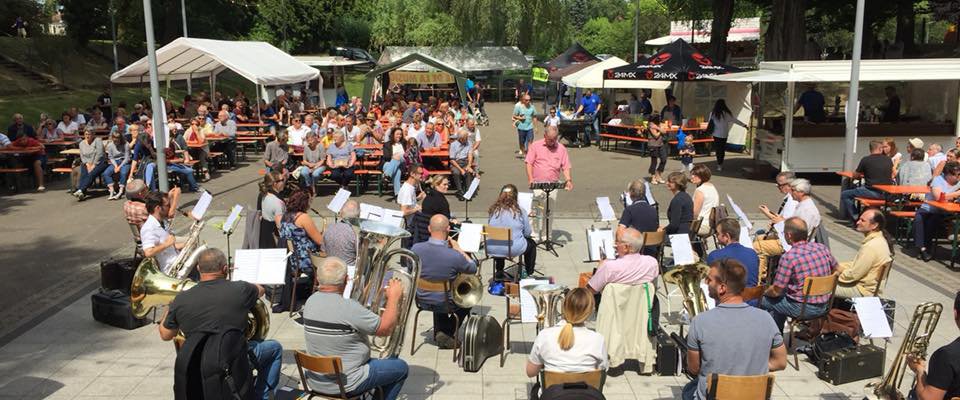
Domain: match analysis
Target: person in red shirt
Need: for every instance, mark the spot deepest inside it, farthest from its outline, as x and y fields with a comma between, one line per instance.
x=36, y=157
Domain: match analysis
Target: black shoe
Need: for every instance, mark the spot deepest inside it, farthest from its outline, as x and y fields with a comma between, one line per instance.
x=445, y=342
x=926, y=255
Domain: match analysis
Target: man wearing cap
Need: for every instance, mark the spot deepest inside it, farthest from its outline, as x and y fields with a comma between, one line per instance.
x=916, y=143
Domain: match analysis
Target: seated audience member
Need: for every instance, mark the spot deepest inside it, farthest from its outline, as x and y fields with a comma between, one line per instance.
x=297, y=228
x=340, y=160
x=733, y=338
x=915, y=172
x=67, y=127
x=271, y=208
x=313, y=163
x=92, y=163
x=680, y=210
x=805, y=209
x=785, y=296
x=297, y=132
x=461, y=163
x=728, y=234
x=155, y=236
x=97, y=121
x=875, y=169
x=35, y=159
x=120, y=125
x=196, y=136
x=928, y=218
x=339, y=238
x=226, y=126
x=935, y=155
x=118, y=159
x=48, y=131
x=216, y=304
x=951, y=156
x=640, y=214
x=506, y=213
x=19, y=128
x=631, y=266
x=428, y=139
x=135, y=208
x=339, y=326
x=571, y=347
x=941, y=381
x=442, y=260
x=860, y=277
x=276, y=154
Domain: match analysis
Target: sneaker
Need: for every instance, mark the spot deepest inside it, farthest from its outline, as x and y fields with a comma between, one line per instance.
x=77, y=193
x=120, y=192
x=719, y=168
x=41, y=189
x=206, y=176
x=112, y=196
x=81, y=197
x=445, y=342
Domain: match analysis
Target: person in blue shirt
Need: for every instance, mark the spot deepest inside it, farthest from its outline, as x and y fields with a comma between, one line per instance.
x=675, y=116
x=442, y=260
x=268, y=114
x=728, y=234
x=506, y=213
x=523, y=118
x=590, y=106
x=813, y=103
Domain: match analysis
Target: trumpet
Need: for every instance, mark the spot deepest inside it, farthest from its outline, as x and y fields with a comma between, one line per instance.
x=915, y=343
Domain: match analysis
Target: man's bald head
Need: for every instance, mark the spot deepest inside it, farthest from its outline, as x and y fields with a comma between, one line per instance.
x=439, y=225
x=633, y=239
x=350, y=209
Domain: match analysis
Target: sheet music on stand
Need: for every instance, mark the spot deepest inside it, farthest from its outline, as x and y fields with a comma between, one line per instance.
x=606, y=210
x=377, y=213
x=202, y=204
x=745, y=239
x=597, y=238
x=525, y=201
x=231, y=221
x=260, y=266
x=472, y=190
x=470, y=237
x=743, y=217
x=872, y=318
x=339, y=200
x=682, y=249
x=528, y=307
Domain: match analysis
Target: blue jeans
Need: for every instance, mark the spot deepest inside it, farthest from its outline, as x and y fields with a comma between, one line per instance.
x=689, y=391
x=593, y=128
x=388, y=374
x=108, y=174
x=186, y=172
x=847, y=205
x=925, y=224
x=391, y=169
x=148, y=171
x=87, y=177
x=525, y=136
x=269, y=355
x=782, y=307
x=311, y=177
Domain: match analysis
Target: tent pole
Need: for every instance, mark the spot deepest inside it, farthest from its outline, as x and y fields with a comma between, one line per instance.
x=158, y=122
x=190, y=83
x=257, y=89
x=956, y=121
x=788, y=126
x=853, y=101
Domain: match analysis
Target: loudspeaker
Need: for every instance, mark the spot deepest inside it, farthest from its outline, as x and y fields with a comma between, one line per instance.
x=668, y=354
x=118, y=274
x=112, y=307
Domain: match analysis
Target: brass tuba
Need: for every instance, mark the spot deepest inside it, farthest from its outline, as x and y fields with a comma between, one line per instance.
x=374, y=269
x=467, y=290
x=186, y=259
x=549, y=299
x=151, y=288
x=916, y=340
x=688, y=278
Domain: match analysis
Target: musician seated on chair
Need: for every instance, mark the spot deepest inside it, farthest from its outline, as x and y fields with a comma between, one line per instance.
x=861, y=276
x=571, y=347
x=784, y=297
x=942, y=381
x=783, y=185
x=442, y=260
x=639, y=215
x=338, y=326
x=135, y=208
x=806, y=210
x=733, y=338
x=506, y=213
x=155, y=236
x=215, y=304
x=631, y=267
x=728, y=233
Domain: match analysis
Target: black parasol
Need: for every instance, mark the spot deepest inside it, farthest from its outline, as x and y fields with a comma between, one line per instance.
x=677, y=61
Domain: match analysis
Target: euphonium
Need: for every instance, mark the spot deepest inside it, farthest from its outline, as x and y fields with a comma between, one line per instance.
x=916, y=340
x=151, y=288
x=187, y=256
x=688, y=278
x=467, y=290
x=549, y=300
x=374, y=270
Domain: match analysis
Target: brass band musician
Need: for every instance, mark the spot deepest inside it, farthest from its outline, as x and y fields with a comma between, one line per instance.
x=942, y=381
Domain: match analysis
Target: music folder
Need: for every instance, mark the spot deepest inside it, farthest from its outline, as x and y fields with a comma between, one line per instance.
x=260, y=266
x=597, y=239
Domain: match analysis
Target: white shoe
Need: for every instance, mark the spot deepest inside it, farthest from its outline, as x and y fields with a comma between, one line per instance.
x=41, y=188
x=719, y=168
x=111, y=196
x=120, y=192
x=77, y=193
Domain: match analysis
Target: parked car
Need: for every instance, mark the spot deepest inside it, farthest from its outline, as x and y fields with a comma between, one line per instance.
x=354, y=53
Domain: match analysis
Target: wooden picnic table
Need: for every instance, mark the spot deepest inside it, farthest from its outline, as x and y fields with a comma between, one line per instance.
x=954, y=210
x=62, y=142
x=251, y=126
x=70, y=152
x=846, y=174
x=902, y=189
x=24, y=150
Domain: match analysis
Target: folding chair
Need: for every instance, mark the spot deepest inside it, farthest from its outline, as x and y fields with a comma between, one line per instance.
x=326, y=366
x=813, y=286
x=511, y=294
x=754, y=387
x=594, y=378
x=434, y=287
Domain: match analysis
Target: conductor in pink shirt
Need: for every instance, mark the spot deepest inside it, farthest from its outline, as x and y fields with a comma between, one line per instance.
x=547, y=158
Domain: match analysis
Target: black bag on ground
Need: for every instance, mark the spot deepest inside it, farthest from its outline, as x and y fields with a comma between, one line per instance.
x=118, y=274
x=569, y=391
x=829, y=342
x=112, y=307
x=214, y=366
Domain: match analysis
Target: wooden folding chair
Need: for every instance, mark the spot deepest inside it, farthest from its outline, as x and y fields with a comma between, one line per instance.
x=594, y=379
x=882, y=276
x=434, y=287
x=754, y=387
x=511, y=294
x=493, y=233
x=657, y=238
x=813, y=286
x=753, y=293
x=327, y=366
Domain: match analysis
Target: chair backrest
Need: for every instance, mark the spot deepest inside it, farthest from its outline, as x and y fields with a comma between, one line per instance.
x=716, y=214
x=754, y=387
x=819, y=285
x=593, y=378
x=499, y=234
x=654, y=238
x=323, y=365
x=511, y=289
x=882, y=276
x=695, y=227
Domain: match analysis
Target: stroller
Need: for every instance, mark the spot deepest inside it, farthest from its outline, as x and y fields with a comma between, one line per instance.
x=479, y=114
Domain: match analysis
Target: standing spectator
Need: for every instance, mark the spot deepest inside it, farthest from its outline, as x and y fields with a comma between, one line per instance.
x=590, y=105
x=523, y=119
x=118, y=156
x=227, y=127
x=314, y=162
x=875, y=169
x=340, y=159
x=722, y=120
x=671, y=112
x=645, y=107
x=890, y=111
x=92, y=163
x=522, y=89
x=680, y=210
x=21, y=26
x=105, y=103
x=657, y=147
x=408, y=196
x=461, y=162
x=271, y=208
x=19, y=128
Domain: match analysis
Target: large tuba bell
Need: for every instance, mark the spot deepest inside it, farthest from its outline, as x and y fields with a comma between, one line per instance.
x=915, y=342
x=549, y=300
x=151, y=288
x=688, y=278
x=374, y=269
x=186, y=259
x=467, y=290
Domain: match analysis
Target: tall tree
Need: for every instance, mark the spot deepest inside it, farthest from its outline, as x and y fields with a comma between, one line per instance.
x=786, y=31
x=722, y=19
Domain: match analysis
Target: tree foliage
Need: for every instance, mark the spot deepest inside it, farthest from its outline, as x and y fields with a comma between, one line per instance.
x=29, y=10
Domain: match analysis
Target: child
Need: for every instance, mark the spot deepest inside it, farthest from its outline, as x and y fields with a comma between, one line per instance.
x=687, y=152
x=552, y=119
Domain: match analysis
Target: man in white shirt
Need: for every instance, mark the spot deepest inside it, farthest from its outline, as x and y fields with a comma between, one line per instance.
x=407, y=197
x=227, y=127
x=155, y=237
x=806, y=210
x=77, y=117
x=935, y=155
x=350, y=131
x=297, y=133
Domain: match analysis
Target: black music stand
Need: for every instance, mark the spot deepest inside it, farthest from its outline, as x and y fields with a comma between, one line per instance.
x=547, y=243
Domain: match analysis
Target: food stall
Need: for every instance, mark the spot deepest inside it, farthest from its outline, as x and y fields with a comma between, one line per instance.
x=929, y=92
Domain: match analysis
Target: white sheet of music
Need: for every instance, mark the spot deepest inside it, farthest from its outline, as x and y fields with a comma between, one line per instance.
x=470, y=237
x=339, y=200
x=606, y=210
x=600, y=238
x=682, y=249
x=371, y=212
x=649, y=194
x=228, y=225
x=789, y=208
x=743, y=217
x=525, y=201
x=202, y=204
x=783, y=238
x=261, y=266
x=351, y=272
x=745, y=239
x=872, y=318
x=528, y=307
x=474, y=184
x=627, y=201
x=711, y=303
x=392, y=217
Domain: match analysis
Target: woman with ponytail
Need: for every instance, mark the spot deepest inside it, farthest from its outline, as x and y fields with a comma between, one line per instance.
x=569, y=346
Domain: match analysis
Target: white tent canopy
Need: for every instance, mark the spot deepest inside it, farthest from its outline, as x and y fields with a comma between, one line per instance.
x=592, y=77
x=186, y=58
x=930, y=69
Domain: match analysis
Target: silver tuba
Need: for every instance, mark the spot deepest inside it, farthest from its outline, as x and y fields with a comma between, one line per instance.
x=549, y=299
x=374, y=270
x=186, y=259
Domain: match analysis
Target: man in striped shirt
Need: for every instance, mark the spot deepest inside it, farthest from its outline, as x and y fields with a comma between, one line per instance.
x=785, y=297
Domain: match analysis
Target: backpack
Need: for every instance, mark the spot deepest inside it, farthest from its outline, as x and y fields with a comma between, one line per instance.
x=214, y=366
x=572, y=391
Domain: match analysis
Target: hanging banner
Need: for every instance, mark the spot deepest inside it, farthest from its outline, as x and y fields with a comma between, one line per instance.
x=417, y=78
x=540, y=74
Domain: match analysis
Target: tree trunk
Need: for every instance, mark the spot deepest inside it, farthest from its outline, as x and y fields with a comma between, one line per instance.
x=906, y=25
x=722, y=18
x=786, y=34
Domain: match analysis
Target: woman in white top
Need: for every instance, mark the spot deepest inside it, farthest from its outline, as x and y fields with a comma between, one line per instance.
x=67, y=127
x=415, y=128
x=889, y=148
x=570, y=347
x=722, y=120
x=705, y=197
